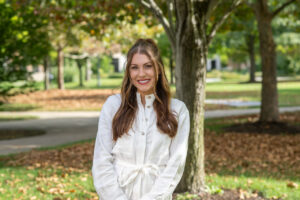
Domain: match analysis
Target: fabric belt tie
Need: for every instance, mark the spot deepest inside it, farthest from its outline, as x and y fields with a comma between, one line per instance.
x=134, y=170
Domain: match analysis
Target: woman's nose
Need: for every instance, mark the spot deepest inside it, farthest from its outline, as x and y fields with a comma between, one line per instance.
x=141, y=72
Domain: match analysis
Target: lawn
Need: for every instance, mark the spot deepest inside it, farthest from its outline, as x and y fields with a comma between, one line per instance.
x=91, y=97
x=10, y=117
x=250, y=164
x=289, y=92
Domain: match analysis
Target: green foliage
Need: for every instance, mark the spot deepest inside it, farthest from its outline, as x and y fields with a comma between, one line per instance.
x=8, y=88
x=94, y=62
x=23, y=40
x=186, y=196
x=287, y=37
x=106, y=65
x=70, y=74
x=164, y=45
x=116, y=75
x=215, y=190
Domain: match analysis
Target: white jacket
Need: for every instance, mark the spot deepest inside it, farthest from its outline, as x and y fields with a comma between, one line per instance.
x=144, y=164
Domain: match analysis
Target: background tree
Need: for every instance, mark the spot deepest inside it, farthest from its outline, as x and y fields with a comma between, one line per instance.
x=265, y=11
x=287, y=37
x=91, y=16
x=245, y=23
x=23, y=40
x=190, y=26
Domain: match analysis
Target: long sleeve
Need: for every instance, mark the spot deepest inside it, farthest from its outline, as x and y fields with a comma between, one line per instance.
x=104, y=175
x=167, y=181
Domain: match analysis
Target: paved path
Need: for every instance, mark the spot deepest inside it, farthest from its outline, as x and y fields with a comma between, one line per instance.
x=66, y=127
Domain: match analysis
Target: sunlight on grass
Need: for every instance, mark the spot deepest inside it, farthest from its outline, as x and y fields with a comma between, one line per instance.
x=25, y=183
x=106, y=83
x=268, y=186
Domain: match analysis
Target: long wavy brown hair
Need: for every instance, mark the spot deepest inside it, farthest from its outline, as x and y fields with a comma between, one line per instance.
x=124, y=117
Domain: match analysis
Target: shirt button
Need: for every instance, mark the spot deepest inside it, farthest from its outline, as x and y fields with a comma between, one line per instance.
x=148, y=106
x=143, y=133
x=146, y=119
x=149, y=97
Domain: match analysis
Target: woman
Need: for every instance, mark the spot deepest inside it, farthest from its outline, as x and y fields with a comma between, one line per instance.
x=142, y=138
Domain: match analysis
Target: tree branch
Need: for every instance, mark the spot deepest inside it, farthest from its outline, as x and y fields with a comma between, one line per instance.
x=278, y=10
x=212, y=5
x=170, y=8
x=219, y=23
x=77, y=57
x=145, y=4
x=152, y=6
x=181, y=12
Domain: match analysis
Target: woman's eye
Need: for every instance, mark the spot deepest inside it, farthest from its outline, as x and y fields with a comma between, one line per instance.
x=148, y=66
x=134, y=67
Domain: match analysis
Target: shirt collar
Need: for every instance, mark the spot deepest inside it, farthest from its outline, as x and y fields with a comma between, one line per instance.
x=149, y=99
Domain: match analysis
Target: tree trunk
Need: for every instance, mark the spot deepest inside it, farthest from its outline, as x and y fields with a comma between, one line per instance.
x=269, y=97
x=79, y=65
x=88, y=69
x=60, y=73
x=250, y=47
x=171, y=69
x=98, y=72
x=190, y=75
x=46, y=71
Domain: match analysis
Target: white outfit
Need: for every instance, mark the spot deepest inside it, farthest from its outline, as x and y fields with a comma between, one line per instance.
x=144, y=164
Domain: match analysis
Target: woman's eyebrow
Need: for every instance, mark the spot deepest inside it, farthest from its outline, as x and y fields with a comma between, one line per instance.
x=143, y=64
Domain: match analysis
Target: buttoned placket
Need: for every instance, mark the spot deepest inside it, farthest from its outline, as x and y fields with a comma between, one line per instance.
x=143, y=124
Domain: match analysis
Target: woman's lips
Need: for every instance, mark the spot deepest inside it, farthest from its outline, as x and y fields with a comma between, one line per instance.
x=143, y=82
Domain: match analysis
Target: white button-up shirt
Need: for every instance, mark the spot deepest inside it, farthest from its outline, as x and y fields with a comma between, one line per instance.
x=144, y=164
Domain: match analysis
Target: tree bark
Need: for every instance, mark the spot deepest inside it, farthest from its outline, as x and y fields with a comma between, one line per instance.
x=46, y=73
x=171, y=69
x=190, y=74
x=60, y=73
x=250, y=39
x=269, y=96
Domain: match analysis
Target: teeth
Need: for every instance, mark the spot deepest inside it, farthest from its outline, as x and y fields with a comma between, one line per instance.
x=145, y=81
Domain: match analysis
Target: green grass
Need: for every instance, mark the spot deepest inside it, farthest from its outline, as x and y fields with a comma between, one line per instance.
x=268, y=186
x=26, y=183
x=44, y=183
x=106, y=83
x=11, y=118
x=217, y=124
x=289, y=92
x=17, y=107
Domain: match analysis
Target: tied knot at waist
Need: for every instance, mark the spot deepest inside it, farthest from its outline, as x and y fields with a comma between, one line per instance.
x=132, y=171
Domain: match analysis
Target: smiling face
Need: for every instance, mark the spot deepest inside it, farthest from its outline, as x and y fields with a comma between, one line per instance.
x=142, y=73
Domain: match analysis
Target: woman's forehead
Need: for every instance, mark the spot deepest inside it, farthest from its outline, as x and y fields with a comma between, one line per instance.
x=140, y=59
